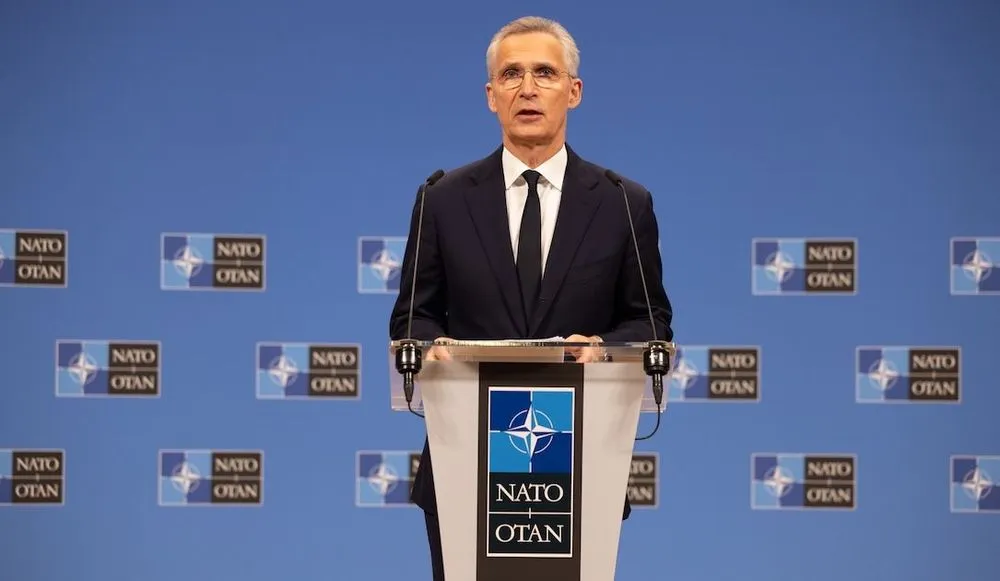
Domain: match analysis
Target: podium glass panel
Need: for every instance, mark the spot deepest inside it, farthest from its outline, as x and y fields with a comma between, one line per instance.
x=624, y=355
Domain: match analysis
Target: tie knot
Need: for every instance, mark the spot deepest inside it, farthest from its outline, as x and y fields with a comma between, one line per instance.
x=531, y=176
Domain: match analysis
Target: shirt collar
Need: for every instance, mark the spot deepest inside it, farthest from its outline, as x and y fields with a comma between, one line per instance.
x=552, y=169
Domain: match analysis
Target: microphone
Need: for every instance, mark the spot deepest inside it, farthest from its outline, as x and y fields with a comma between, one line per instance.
x=655, y=360
x=408, y=356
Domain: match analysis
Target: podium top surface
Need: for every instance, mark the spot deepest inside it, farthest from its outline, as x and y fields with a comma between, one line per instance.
x=551, y=349
x=551, y=342
x=628, y=359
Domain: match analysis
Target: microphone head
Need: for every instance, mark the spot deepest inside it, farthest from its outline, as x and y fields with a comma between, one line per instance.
x=615, y=178
x=434, y=177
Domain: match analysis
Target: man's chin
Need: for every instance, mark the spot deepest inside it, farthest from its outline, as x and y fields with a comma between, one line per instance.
x=530, y=135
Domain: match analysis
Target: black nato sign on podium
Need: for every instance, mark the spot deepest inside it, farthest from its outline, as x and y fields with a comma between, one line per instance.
x=531, y=452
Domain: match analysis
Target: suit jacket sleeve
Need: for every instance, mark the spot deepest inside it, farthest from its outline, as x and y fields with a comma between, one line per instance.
x=429, y=301
x=631, y=313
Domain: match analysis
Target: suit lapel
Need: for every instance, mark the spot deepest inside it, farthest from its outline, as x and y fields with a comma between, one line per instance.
x=487, y=204
x=577, y=206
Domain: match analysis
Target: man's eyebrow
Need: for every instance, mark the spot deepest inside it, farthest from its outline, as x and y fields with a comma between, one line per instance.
x=534, y=65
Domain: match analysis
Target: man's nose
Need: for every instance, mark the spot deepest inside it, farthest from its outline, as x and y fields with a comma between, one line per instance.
x=528, y=86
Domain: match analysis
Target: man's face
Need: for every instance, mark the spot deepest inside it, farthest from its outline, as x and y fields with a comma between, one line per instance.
x=534, y=112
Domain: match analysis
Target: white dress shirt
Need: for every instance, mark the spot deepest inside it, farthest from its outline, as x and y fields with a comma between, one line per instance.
x=549, y=193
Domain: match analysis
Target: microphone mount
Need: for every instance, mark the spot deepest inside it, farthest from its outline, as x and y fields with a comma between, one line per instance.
x=408, y=364
x=656, y=364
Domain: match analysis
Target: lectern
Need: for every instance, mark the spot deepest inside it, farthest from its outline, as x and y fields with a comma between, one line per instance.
x=531, y=454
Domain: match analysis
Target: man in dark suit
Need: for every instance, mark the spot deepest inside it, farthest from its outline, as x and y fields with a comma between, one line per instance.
x=531, y=241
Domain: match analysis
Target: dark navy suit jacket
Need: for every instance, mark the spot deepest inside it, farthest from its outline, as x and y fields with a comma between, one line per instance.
x=467, y=285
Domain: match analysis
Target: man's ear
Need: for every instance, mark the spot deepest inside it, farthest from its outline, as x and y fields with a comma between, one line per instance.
x=491, y=100
x=575, y=93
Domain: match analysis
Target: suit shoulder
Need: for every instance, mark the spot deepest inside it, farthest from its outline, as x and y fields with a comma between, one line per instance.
x=459, y=176
x=634, y=188
x=457, y=180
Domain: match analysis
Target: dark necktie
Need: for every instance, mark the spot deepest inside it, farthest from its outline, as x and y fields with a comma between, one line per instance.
x=529, y=245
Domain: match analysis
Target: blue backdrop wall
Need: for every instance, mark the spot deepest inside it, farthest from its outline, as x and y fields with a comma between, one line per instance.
x=311, y=124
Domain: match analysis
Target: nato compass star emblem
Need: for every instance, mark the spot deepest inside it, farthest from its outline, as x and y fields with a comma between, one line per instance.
x=977, y=266
x=778, y=481
x=977, y=484
x=82, y=368
x=185, y=478
x=779, y=266
x=283, y=371
x=383, y=479
x=684, y=373
x=188, y=262
x=385, y=264
x=883, y=374
x=530, y=431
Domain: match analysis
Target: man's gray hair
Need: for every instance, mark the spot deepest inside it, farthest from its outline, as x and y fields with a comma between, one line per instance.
x=528, y=24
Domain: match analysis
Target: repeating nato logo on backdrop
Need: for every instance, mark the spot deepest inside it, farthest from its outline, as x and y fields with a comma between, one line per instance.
x=380, y=259
x=530, y=448
x=803, y=481
x=644, y=480
x=308, y=371
x=206, y=262
x=211, y=477
x=33, y=258
x=801, y=266
x=973, y=488
x=715, y=374
x=32, y=477
x=108, y=368
x=892, y=374
x=384, y=478
x=972, y=265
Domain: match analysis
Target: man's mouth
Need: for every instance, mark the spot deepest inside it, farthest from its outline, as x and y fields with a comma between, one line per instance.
x=529, y=113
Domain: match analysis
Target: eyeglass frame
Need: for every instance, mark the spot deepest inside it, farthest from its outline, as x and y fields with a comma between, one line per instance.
x=558, y=74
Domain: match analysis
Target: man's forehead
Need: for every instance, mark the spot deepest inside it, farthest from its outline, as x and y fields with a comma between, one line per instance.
x=531, y=50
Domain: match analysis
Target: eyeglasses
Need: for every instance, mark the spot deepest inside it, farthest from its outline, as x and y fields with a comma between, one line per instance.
x=544, y=77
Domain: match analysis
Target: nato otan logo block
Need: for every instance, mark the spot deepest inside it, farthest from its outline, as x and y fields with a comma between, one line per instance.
x=715, y=374
x=213, y=262
x=973, y=266
x=529, y=508
x=792, y=481
x=304, y=371
x=34, y=258
x=210, y=477
x=108, y=368
x=32, y=477
x=804, y=266
x=380, y=260
x=908, y=374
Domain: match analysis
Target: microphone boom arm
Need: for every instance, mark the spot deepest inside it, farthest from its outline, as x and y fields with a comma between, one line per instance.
x=408, y=356
x=655, y=358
